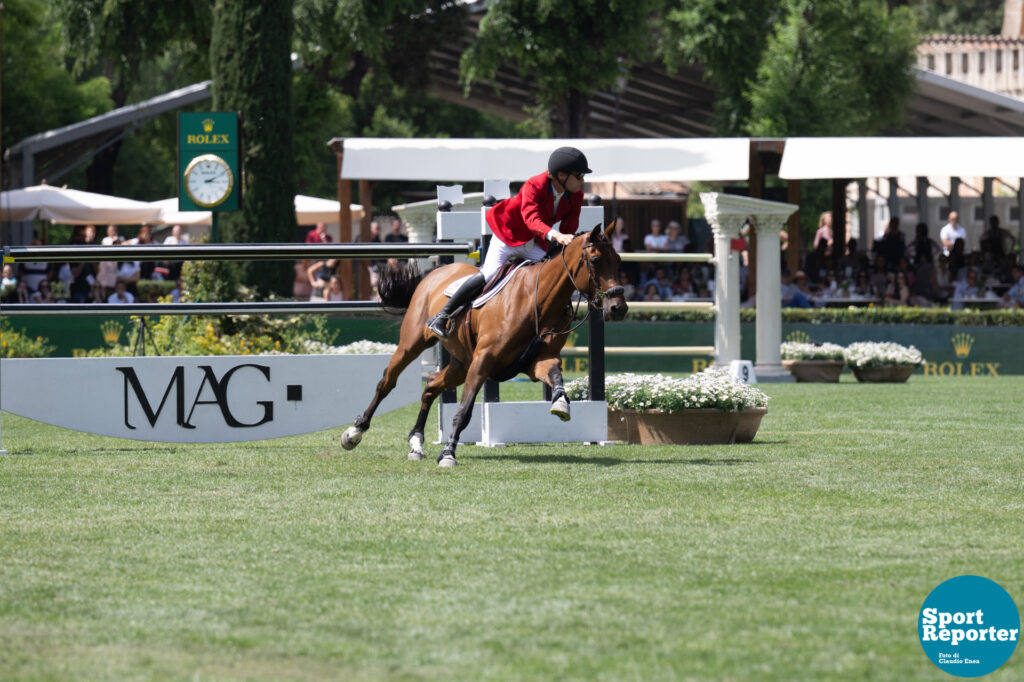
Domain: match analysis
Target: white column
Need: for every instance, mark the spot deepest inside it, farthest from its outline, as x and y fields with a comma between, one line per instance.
x=726, y=213
x=769, y=300
x=725, y=226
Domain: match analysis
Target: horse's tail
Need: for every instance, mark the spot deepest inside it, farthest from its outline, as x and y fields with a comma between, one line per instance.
x=397, y=284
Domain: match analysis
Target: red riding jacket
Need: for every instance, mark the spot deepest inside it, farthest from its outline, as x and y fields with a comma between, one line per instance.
x=531, y=213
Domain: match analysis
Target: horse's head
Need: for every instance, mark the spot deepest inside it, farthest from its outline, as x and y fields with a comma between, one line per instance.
x=602, y=265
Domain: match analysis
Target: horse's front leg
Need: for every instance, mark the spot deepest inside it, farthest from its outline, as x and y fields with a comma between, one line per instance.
x=478, y=372
x=549, y=370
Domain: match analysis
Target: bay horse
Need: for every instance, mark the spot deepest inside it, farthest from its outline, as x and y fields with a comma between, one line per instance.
x=523, y=328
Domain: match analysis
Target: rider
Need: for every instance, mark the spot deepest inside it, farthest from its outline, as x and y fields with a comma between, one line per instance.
x=523, y=225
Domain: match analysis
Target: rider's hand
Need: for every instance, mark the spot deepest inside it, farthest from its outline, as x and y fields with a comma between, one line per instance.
x=560, y=238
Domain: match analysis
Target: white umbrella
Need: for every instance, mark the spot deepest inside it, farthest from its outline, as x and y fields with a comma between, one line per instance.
x=170, y=215
x=308, y=210
x=72, y=207
x=311, y=210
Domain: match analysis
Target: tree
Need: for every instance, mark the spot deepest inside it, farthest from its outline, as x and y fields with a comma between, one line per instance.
x=250, y=56
x=797, y=67
x=39, y=94
x=117, y=37
x=569, y=48
x=980, y=17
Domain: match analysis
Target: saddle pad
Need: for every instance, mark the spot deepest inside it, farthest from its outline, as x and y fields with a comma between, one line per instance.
x=479, y=301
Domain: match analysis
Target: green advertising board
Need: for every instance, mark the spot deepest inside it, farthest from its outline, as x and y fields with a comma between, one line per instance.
x=209, y=172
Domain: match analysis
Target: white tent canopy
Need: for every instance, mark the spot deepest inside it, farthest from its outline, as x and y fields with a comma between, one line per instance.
x=308, y=210
x=474, y=160
x=807, y=158
x=72, y=207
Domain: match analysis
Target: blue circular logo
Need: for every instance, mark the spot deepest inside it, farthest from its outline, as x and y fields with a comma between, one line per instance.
x=969, y=626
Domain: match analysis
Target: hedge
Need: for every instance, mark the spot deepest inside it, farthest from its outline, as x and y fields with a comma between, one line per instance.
x=886, y=315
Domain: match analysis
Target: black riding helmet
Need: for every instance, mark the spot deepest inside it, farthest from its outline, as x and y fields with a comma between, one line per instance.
x=568, y=160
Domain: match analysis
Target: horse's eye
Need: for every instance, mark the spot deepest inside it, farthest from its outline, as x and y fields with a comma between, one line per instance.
x=594, y=260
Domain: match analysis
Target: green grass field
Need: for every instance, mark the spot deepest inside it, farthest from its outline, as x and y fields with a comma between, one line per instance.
x=805, y=555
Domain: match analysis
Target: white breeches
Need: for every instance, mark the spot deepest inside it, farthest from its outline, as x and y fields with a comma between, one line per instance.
x=498, y=252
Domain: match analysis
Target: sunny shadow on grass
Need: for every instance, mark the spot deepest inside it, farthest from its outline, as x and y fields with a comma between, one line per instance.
x=804, y=555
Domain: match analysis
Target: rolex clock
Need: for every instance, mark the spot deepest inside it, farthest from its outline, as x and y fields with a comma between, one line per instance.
x=208, y=180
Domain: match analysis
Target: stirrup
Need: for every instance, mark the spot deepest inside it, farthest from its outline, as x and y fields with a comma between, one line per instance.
x=438, y=324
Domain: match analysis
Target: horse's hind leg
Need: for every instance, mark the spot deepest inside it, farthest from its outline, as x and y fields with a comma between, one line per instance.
x=449, y=377
x=549, y=370
x=479, y=370
x=405, y=354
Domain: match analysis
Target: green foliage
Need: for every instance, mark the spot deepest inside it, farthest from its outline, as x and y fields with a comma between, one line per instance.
x=834, y=68
x=867, y=315
x=38, y=93
x=250, y=57
x=568, y=48
x=980, y=17
x=17, y=344
x=796, y=67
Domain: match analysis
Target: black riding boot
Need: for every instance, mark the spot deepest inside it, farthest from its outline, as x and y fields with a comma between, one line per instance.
x=469, y=290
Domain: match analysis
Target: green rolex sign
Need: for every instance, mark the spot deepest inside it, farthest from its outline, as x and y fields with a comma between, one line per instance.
x=209, y=173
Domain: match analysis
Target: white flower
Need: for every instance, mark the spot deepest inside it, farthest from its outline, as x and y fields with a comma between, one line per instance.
x=713, y=388
x=792, y=350
x=870, y=354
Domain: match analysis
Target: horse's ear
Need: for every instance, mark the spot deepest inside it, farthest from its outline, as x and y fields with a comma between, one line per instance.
x=596, y=234
x=608, y=230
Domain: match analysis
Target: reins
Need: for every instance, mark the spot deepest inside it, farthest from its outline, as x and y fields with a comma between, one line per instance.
x=591, y=304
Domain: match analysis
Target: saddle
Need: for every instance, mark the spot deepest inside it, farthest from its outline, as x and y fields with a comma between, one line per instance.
x=496, y=283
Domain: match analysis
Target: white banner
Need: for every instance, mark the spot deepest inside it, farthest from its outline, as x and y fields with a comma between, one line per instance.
x=215, y=399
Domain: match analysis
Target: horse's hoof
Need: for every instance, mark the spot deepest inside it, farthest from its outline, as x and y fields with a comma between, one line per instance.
x=447, y=461
x=560, y=408
x=416, y=448
x=351, y=437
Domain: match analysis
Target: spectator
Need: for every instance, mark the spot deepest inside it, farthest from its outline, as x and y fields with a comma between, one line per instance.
x=130, y=272
x=965, y=288
x=675, y=242
x=620, y=238
x=957, y=260
x=892, y=244
x=42, y=294
x=148, y=269
x=1014, y=298
x=952, y=231
x=112, y=238
x=629, y=289
x=145, y=236
x=899, y=291
x=996, y=244
x=318, y=235
x=121, y=294
x=655, y=240
x=924, y=248
x=334, y=292
x=9, y=279
x=683, y=288
x=301, y=288
x=662, y=282
x=816, y=264
x=651, y=293
x=863, y=288
x=176, y=237
x=396, y=235
x=824, y=232
x=320, y=274
x=34, y=273
x=177, y=291
x=850, y=262
x=792, y=296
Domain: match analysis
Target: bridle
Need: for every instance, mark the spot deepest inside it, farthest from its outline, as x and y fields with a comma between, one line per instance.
x=592, y=303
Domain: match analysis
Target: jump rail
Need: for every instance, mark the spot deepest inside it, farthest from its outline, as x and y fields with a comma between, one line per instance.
x=263, y=308
x=645, y=257
x=643, y=350
x=262, y=252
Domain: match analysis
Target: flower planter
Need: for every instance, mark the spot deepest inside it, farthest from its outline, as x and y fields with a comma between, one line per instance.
x=884, y=373
x=685, y=427
x=815, y=371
